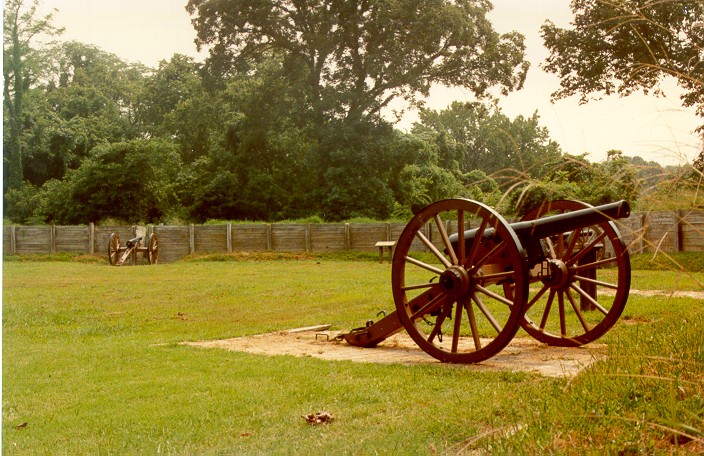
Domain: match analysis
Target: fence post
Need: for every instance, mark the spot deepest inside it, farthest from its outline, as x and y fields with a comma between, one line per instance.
x=191, y=239
x=641, y=231
x=229, y=238
x=307, y=237
x=91, y=238
x=13, y=239
x=678, y=230
x=52, y=239
x=269, y=236
x=348, y=241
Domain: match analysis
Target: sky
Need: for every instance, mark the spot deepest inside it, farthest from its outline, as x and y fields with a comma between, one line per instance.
x=654, y=128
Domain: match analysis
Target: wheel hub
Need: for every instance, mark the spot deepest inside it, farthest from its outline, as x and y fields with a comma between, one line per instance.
x=455, y=280
x=556, y=275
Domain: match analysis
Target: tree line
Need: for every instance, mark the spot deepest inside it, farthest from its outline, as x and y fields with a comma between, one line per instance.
x=288, y=117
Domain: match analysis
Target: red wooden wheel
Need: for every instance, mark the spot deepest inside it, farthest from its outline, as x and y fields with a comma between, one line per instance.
x=153, y=249
x=580, y=290
x=114, y=249
x=452, y=301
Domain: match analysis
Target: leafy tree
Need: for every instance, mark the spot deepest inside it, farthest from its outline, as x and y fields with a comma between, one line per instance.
x=134, y=181
x=623, y=46
x=257, y=149
x=355, y=57
x=86, y=99
x=175, y=104
x=22, y=67
x=474, y=136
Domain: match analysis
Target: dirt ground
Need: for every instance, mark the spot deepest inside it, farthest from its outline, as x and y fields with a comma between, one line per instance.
x=521, y=355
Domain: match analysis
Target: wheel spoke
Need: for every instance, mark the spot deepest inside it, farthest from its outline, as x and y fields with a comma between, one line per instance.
x=457, y=326
x=591, y=300
x=494, y=252
x=467, y=304
x=577, y=311
x=561, y=307
x=460, y=237
x=445, y=239
x=420, y=286
x=571, y=243
x=426, y=266
x=546, y=312
x=551, y=247
x=585, y=249
x=482, y=307
x=478, y=235
x=595, y=264
x=560, y=245
x=433, y=249
x=536, y=297
x=495, y=296
x=494, y=277
x=613, y=286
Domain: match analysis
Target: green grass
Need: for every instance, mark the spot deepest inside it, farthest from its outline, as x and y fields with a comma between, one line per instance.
x=92, y=362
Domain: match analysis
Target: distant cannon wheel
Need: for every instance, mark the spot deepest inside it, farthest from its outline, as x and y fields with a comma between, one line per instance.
x=114, y=249
x=580, y=290
x=451, y=301
x=153, y=249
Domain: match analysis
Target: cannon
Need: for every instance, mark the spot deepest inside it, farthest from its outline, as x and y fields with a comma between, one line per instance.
x=119, y=254
x=562, y=273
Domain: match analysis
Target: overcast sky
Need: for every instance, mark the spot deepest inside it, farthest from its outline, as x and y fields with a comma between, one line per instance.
x=658, y=129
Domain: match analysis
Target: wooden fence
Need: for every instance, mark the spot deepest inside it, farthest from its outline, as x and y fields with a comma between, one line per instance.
x=645, y=232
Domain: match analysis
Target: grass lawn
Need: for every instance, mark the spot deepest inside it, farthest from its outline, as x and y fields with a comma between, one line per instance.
x=92, y=363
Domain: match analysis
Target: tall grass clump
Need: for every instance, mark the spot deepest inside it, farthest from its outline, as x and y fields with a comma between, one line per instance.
x=647, y=397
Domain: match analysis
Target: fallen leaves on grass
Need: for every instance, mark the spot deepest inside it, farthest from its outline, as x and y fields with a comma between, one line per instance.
x=319, y=418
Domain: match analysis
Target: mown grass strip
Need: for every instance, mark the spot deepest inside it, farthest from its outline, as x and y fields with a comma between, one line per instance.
x=92, y=363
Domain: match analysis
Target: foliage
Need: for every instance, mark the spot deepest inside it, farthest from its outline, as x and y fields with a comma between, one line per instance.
x=174, y=103
x=133, y=181
x=575, y=178
x=673, y=261
x=625, y=46
x=86, y=99
x=358, y=56
x=474, y=136
x=284, y=120
x=22, y=67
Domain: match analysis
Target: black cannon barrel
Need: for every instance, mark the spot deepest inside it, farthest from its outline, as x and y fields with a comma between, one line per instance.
x=131, y=243
x=560, y=223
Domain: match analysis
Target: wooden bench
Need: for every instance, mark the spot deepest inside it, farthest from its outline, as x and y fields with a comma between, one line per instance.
x=388, y=245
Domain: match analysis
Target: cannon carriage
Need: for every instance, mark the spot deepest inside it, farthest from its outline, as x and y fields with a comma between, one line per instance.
x=119, y=254
x=562, y=274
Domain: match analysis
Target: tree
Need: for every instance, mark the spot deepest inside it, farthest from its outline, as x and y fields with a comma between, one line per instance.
x=175, y=104
x=355, y=57
x=22, y=67
x=622, y=46
x=87, y=97
x=134, y=181
x=474, y=136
